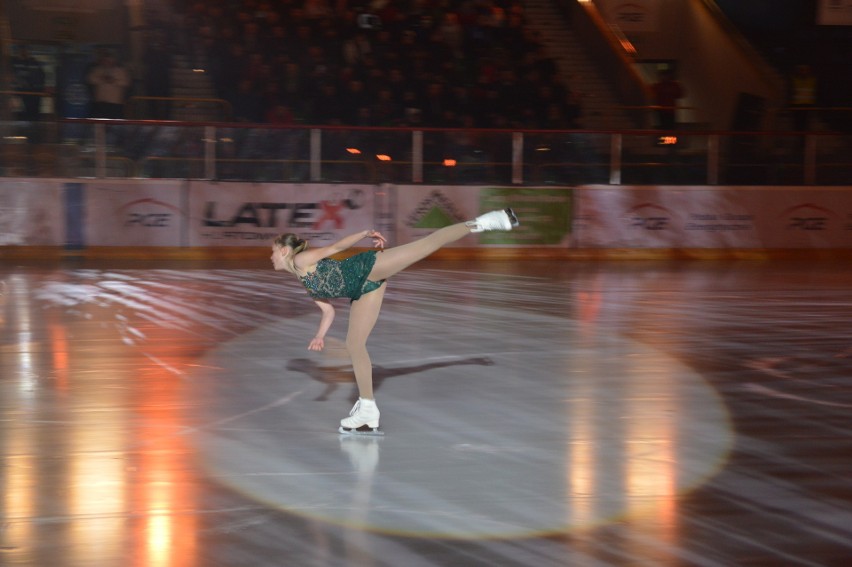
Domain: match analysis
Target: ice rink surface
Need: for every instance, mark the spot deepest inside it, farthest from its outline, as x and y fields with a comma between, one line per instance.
x=169, y=414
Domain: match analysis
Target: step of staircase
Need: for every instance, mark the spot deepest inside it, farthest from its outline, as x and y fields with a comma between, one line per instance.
x=196, y=87
x=601, y=109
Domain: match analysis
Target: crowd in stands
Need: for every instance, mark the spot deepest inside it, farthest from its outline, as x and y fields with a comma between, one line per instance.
x=425, y=63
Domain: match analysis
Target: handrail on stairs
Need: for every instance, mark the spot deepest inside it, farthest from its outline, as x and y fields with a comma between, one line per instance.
x=612, y=51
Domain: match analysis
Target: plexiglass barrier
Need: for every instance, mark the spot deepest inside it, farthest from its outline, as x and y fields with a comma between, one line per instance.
x=90, y=148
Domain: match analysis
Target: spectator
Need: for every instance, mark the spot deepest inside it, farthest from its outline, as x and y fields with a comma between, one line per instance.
x=356, y=48
x=667, y=91
x=28, y=74
x=802, y=96
x=435, y=104
x=573, y=109
x=280, y=114
x=109, y=81
x=385, y=110
x=231, y=70
x=158, y=65
x=355, y=100
x=293, y=86
x=510, y=94
x=247, y=105
x=318, y=50
x=326, y=106
x=451, y=33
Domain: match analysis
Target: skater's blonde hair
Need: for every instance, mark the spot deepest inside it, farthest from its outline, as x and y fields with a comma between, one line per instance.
x=291, y=240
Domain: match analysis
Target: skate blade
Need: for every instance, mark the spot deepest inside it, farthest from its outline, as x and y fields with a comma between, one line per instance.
x=513, y=218
x=364, y=430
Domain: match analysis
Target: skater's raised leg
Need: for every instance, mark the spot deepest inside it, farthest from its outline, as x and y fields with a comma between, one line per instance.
x=394, y=260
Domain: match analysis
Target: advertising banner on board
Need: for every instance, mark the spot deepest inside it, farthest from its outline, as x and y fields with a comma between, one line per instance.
x=135, y=213
x=712, y=217
x=32, y=213
x=834, y=13
x=545, y=214
x=252, y=214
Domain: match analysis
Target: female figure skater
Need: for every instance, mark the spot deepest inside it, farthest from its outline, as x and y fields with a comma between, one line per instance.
x=361, y=278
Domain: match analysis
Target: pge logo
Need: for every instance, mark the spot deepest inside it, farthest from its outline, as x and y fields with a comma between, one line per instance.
x=807, y=217
x=648, y=216
x=148, y=213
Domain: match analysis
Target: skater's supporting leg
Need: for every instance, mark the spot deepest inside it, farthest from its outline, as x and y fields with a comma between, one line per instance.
x=362, y=318
x=394, y=260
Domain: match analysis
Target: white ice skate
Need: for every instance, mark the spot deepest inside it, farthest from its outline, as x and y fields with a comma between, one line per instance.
x=362, y=420
x=495, y=220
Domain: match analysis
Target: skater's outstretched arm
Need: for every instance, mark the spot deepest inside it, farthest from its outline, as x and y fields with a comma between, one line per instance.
x=318, y=342
x=305, y=260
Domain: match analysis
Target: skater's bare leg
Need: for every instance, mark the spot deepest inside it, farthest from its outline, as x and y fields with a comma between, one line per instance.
x=362, y=318
x=394, y=260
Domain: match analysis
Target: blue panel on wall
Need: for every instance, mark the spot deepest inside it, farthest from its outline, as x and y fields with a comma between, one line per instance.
x=74, y=215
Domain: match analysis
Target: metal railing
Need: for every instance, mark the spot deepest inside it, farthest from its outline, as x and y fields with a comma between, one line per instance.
x=97, y=148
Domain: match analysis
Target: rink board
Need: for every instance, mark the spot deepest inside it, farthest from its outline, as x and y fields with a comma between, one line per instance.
x=181, y=214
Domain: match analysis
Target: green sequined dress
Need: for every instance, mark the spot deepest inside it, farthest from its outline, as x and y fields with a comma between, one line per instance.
x=342, y=278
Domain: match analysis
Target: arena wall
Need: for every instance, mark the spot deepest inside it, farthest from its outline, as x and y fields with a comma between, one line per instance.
x=188, y=218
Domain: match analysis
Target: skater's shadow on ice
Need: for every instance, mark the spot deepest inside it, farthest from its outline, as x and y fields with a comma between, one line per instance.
x=334, y=376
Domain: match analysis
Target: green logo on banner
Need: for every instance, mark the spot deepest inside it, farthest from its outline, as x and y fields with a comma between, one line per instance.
x=435, y=218
x=433, y=212
x=545, y=215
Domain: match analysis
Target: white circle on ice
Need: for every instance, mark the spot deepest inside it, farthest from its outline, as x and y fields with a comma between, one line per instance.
x=507, y=433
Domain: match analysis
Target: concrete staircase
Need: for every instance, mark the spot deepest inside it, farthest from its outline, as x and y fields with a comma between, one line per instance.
x=192, y=86
x=601, y=109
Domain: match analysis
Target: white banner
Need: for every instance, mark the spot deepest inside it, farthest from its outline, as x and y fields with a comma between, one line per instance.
x=712, y=217
x=631, y=15
x=135, y=213
x=32, y=213
x=252, y=214
x=834, y=13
